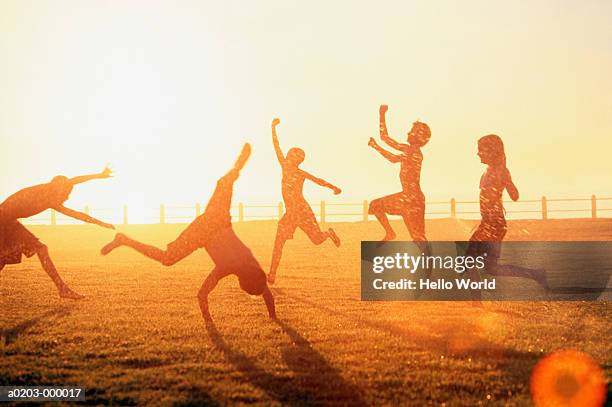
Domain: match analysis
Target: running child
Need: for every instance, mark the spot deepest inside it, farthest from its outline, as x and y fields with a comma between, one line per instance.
x=298, y=213
x=410, y=203
x=212, y=231
x=492, y=228
x=16, y=240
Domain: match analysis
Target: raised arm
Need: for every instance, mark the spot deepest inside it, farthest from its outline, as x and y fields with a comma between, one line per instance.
x=321, y=182
x=389, y=156
x=384, y=135
x=510, y=187
x=105, y=173
x=82, y=216
x=277, y=149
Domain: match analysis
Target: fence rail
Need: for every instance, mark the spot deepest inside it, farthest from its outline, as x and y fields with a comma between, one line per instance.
x=542, y=208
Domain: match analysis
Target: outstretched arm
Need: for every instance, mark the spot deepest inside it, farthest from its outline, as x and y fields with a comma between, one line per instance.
x=279, y=152
x=321, y=182
x=384, y=135
x=389, y=156
x=106, y=173
x=269, y=299
x=209, y=284
x=510, y=187
x=82, y=216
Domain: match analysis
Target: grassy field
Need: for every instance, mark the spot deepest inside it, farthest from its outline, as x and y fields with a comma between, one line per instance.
x=138, y=336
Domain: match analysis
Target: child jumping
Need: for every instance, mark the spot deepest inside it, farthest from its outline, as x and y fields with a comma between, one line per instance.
x=298, y=212
x=16, y=240
x=212, y=231
x=410, y=203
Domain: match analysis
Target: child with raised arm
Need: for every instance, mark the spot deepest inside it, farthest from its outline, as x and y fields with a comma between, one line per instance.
x=298, y=213
x=212, y=231
x=16, y=240
x=410, y=203
x=492, y=228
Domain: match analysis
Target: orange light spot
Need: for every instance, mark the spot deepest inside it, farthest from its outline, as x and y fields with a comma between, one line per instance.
x=568, y=378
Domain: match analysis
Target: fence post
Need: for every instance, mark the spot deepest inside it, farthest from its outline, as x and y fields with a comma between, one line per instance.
x=322, y=211
x=162, y=214
x=198, y=209
x=365, y=210
x=593, y=207
x=53, y=217
x=544, y=208
x=240, y=212
x=453, y=208
x=281, y=210
x=125, y=216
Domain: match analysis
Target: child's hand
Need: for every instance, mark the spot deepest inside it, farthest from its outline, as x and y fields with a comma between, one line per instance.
x=383, y=109
x=372, y=142
x=107, y=225
x=336, y=190
x=275, y=122
x=106, y=172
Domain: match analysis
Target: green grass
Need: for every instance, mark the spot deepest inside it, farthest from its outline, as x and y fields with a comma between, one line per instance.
x=138, y=337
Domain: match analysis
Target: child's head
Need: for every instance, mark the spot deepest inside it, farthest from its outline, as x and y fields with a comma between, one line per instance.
x=253, y=281
x=295, y=156
x=491, y=150
x=419, y=134
x=61, y=188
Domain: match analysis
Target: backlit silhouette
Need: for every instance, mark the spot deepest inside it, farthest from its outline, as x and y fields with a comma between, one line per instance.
x=16, y=240
x=298, y=212
x=410, y=203
x=492, y=228
x=212, y=231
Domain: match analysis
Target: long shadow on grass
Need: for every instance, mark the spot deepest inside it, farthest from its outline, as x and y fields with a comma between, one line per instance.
x=315, y=381
x=10, y=335
x=452, y=339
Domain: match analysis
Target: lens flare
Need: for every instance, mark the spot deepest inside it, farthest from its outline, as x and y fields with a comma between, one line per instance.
x=568, y=378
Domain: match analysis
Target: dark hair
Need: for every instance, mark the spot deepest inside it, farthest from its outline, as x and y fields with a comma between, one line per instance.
x=422, y=132
x=495, y=145
x=253, y=281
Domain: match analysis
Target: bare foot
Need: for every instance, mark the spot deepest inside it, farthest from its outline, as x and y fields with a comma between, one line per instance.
x=116, y=242
x=244, y=156
x=69, y=294
x=334, y=237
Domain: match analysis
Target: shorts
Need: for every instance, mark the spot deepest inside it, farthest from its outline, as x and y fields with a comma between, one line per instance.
x=16, y=241
x=487, y=239
x=299, y=217
x=409, y=207
x=198, y=234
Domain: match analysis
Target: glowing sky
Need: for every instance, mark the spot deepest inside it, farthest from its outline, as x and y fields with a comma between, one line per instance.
x=167, y=92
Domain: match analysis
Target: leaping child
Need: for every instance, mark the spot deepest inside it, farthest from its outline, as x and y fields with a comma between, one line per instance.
x=410, y=203
x=298, y=213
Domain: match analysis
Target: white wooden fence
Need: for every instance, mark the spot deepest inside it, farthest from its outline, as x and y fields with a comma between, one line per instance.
x=543, y=208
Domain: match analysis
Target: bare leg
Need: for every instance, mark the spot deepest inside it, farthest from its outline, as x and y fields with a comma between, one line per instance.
x=276, y=256
x=209, y=284
x=49, y=267
x=333, y=236
x=538, y=275
x=269, y=299
x=165, y=257
x=317, y=236
x=384, y=221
